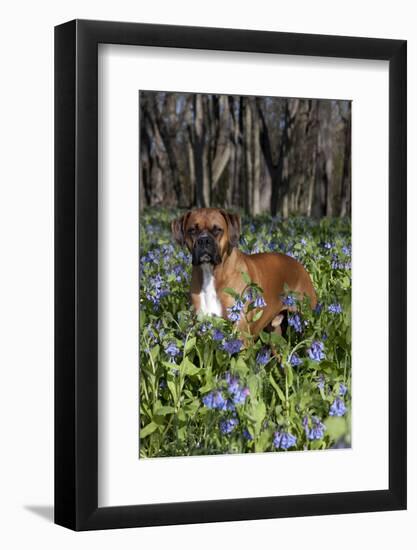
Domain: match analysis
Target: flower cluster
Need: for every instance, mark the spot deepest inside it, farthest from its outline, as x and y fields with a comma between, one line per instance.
x=237, y=392
x=227, y=426
x=236, y=395
x=338, y=407
x=317, y=429
x=157, y=289
x=315, y=351
x=172, y=351
x=215, y=400
x=289, y=300
x=284, y=440
x=208, y=409
x=235, y=311
x=232, y=346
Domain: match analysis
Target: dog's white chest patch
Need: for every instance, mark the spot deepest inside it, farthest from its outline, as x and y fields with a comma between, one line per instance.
x=209, y=302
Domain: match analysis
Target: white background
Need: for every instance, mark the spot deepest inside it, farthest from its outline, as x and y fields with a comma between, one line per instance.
x=26, y=399
x=123, y=479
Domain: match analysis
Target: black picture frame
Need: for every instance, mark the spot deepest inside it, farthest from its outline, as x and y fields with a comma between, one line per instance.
x=76, y=272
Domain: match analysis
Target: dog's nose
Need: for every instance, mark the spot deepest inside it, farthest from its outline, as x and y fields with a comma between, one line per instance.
x=203, y=241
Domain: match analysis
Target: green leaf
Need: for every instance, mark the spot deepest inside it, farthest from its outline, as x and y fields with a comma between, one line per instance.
x=148, y=430
x=172, y=388
x=190, y=345
x=259, y=413
x=277, y=388
x=241, y=367
x=188, y=368
x=257, y=315
x=162, y=411
x=278, y=340
x=265, y=337
x=155, y=352
x=263, y=441
x=231, y=292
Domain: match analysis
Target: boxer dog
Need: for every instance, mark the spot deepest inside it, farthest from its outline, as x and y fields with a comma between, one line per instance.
x=212, y=236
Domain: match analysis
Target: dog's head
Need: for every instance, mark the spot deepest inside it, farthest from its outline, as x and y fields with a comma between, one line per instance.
x=209, y=234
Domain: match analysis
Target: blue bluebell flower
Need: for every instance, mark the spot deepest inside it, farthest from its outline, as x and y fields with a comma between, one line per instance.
x=263, y=356
x=259, y=302
x=239, y=397
x=204, y=327
x=328, y=245
x=317, y=429
x=157, y=289
x=179, y=272
x=227, y=426
x=172, y=350
x=342, y=390
x=232, y=346
x=247, y=435
x=315, y=352
x=334, y=308
x=346, y=250
x=338, y=407
x=235, y=311
x=237, y=392
x=284, y=440
x=215, y=400
x=295, y=322
x=289, y=300
x=232, y=382
x=295, y=361
x=149, y=257
x=248, y=295
x=341, y=265
x=217, y=335
x=233, y=315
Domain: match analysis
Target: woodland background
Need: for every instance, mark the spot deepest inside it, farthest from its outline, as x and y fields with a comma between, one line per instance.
x=259, y=154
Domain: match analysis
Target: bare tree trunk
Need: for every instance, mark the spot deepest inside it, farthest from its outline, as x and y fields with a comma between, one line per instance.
x=248, y=156
x=279, y=170
x=169, y=148
x=197, y=131
x=192, y=178
x=312, y=182
x=223, y=147
x=345, y=199
x=256, y=190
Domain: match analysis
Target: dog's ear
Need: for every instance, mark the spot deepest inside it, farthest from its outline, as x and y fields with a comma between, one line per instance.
x=178, y=228
x=233, y=226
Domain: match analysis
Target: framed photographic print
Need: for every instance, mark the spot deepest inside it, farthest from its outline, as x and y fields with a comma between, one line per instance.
x=230, y=275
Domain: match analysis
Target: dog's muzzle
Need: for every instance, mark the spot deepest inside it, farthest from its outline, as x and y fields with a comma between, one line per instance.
x=205, y=250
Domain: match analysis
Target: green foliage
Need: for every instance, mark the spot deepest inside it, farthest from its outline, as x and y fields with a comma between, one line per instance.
x=203, y=393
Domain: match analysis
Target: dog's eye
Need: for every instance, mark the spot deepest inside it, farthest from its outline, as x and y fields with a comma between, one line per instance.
x=217, y=230
x=191, y=231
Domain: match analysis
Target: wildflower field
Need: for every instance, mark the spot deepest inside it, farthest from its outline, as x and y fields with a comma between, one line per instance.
x=203, y=391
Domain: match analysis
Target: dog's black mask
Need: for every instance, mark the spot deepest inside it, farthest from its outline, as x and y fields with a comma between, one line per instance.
x=205, y=250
